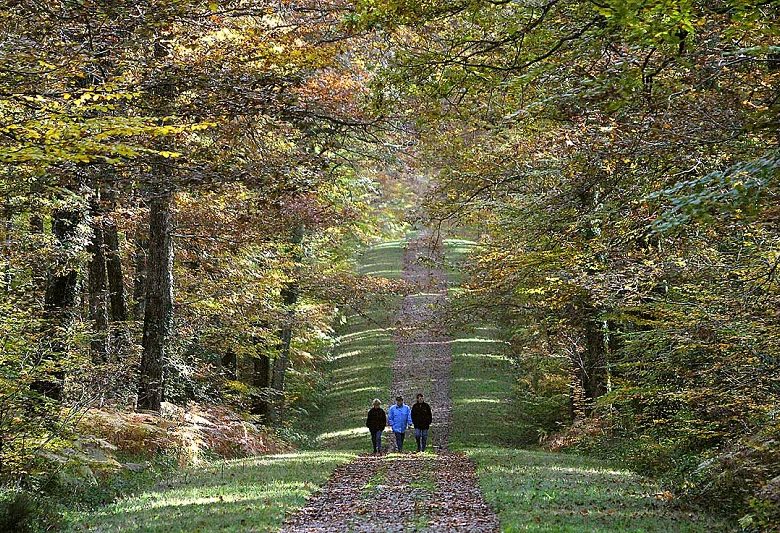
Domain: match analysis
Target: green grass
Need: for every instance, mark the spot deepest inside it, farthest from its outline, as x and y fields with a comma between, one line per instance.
x=538, y=491
x=241, y=495
x=384, y=260
x=360, y=371
x=361, y=366
x=482, y=383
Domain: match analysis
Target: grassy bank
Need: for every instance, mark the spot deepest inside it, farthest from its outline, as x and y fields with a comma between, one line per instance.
x=360, y=371
x=241, y=495
x=361, y=365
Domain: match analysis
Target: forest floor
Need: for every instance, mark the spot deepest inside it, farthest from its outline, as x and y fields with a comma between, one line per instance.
x=474, y=478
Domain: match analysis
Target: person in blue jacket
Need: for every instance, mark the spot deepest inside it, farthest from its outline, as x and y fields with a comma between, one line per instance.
x=399, y=418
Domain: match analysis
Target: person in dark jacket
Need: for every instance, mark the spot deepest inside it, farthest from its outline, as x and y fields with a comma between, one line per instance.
x=421, y=418
x=375, y=422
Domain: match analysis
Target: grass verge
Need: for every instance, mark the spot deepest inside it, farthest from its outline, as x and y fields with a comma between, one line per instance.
x=361, y=366
x=538, y=491
x=240, y=495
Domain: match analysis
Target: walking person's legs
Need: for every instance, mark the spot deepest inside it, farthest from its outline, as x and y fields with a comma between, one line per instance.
x=418, y=438
x=373, y=441
x=399, y=441
x=423, y=439
x=378, y=441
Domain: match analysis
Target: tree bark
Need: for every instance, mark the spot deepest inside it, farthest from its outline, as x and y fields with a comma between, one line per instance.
x=261, y=380
x=98, y=287
x=158, y=309
x=59, y=302
x=589, y=360
x=289, y=296
x=139, y=276
x=230, y=364
x=116, y=281
x=8, y=277
x=120, y=338
x=38, y=272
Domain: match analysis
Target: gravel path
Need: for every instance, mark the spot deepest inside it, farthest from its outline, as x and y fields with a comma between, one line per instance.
x=409, y=492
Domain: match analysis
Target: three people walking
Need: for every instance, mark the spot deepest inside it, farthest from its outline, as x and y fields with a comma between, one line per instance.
x=400, y=417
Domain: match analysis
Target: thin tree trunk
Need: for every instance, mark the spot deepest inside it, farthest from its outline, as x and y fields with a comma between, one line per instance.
x=117, y=300
x=59, y=303
x=38, y=273
x=158, y=300
x=8, y=277
x=289, y=300
x=139, y=276
x=595, y=359
x=261, y=380
x=230, y=364
x=158, y=312
x=589, y=359
x=116, y=281
x=98, y=287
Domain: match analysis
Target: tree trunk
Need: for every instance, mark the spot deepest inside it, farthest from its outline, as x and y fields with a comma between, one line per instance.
x=139, y=276
x=117, y=300
x=230, y=364
x=37, y=272
x=289, y=296
x=261, y=379
x=589, y=359
x=98, y=287
x=59, y=302
x=595, y=358
x=8, y=278
x=158, y=309
x=116, y=281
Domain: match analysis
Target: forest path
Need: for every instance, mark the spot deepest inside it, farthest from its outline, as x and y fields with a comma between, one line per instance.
x=409, y=492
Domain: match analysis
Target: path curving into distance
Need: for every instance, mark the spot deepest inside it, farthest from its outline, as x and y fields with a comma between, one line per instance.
x=409, y=492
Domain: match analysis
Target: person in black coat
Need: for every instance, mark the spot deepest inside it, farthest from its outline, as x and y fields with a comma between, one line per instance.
x=421, y=418
x=376, y=422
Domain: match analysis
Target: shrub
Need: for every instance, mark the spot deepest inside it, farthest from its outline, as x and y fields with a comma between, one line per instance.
x=21, y=511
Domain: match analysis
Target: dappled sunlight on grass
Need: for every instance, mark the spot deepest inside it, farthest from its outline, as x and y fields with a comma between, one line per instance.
x=361, y=365
x=384, y=273
x=496, y=357
x=482, y=387
x=479, y=340
x=476, y=400
x=351, y=432
x=387, y=245
x=346, y=390
x=363, y=335
x=538, y=491
x=620, y=473
x=248, y=494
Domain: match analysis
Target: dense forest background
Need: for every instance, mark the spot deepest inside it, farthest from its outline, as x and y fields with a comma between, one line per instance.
x=185, y=186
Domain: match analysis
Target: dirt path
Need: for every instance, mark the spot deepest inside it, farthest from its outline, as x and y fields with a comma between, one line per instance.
x=409, y=492
x=423, y=350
